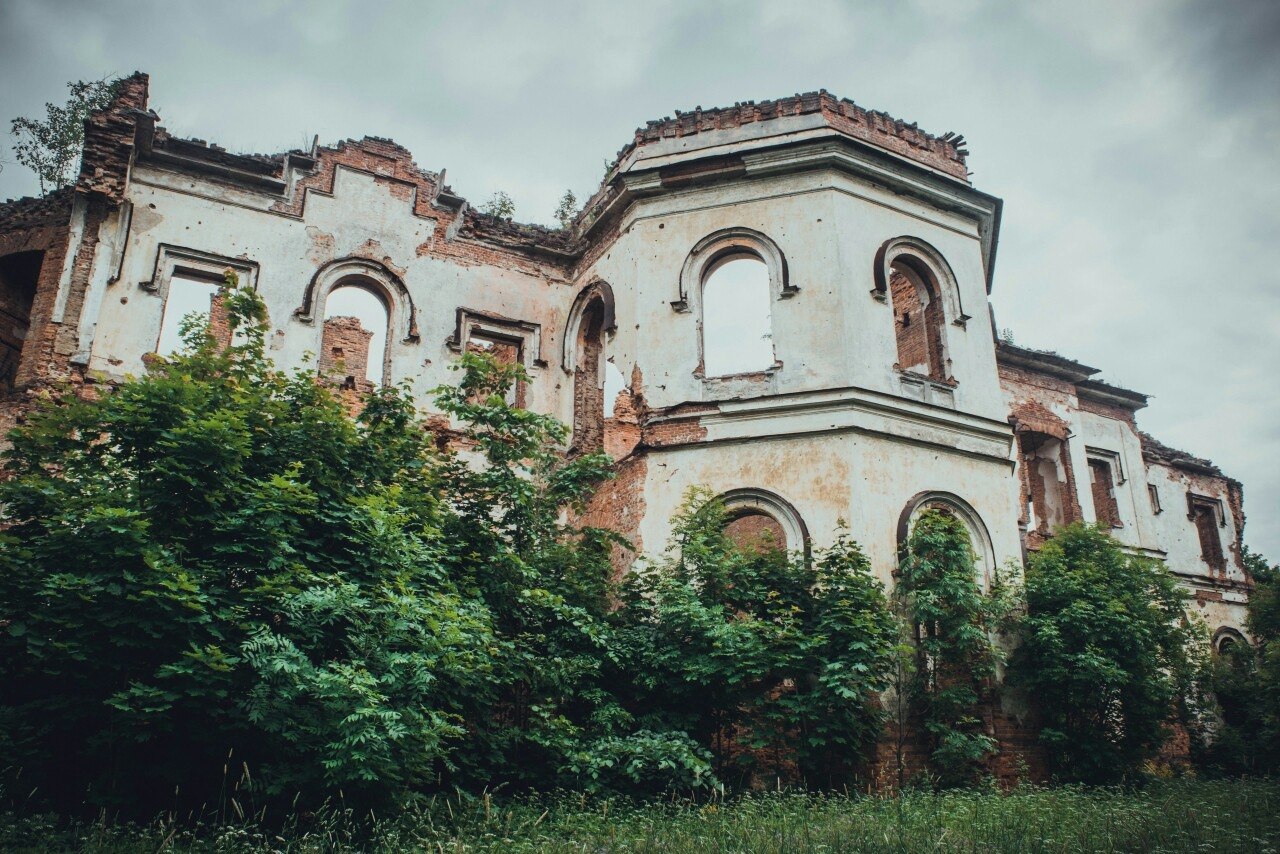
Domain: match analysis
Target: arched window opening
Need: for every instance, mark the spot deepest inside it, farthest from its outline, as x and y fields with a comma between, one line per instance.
x=918, y=319
x=19, y=273
x=758, y=520
x=737, y=334
x=979, y=538
x=754, y=531
x=1227, y=640
x=353, y=347
x=588, y=380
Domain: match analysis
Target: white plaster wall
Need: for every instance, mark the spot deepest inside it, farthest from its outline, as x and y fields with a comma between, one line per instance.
x=863, y=481
x=1177, y=534
x=832, y=333
x=361, y=217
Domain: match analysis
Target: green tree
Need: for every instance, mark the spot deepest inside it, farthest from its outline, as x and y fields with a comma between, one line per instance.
x=213, y=561
x=955, y=625
x=1243, y=684
x=764, y=658
x=51, y=148
x=212, y=571
x=499, y=205
x=1107, y=653
x=567, y=208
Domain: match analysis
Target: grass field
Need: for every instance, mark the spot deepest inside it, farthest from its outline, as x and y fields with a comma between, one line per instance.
x=1177, y=815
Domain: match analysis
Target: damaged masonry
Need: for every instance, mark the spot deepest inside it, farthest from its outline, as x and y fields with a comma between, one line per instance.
x=872, y=388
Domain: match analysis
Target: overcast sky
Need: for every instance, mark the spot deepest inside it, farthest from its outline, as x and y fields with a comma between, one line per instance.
x=1136, y=144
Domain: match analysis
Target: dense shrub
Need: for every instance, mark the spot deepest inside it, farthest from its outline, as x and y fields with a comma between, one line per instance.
x=1107, y=653
x=214, y=578
x=1243, y=685
x=772, y=660
x=217, y=588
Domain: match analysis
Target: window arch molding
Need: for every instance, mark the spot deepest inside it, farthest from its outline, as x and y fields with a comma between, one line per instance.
x=1225, y=636
x=597, y=291
x=927, y=263
x=402, y=318
x=979, y=537
x=751, y=499
x=725, y=245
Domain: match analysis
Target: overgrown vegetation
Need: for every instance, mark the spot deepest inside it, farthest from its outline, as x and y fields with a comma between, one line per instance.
x=220, y=594
x=51, y=148
x=1106, y=651
x=1165, y=816
x=567, y=209
x=773, y=660
x=499, y=205
x=218, y=589
x=1244, y=684
x=955, y=623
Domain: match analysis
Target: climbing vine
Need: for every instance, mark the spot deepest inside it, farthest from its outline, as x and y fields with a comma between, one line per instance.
x=954, y=622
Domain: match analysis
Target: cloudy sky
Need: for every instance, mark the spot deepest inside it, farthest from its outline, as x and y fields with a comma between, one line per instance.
x=1136, y=144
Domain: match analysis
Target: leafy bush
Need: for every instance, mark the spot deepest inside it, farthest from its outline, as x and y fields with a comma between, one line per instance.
x=767, y=659
x=1244, y=685
x=213, y=571
x=642, y=763
x=939, y=593
x=213, y=578
x=1107, y=653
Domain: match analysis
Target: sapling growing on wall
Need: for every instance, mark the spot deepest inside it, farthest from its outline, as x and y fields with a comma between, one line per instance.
x=51, y=148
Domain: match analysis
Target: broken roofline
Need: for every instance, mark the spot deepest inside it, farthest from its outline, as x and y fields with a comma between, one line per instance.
x=1079, y=374
x=945, y=154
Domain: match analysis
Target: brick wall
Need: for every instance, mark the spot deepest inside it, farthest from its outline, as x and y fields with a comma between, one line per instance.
x=757, y=532
x=588, y=385
x=344, y=354
x=1104, y=497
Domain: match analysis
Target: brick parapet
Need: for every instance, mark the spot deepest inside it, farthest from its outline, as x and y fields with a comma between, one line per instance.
x=945, y=154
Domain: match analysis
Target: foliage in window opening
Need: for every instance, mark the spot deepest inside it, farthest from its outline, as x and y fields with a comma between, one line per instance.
x=955, y=623
x=771, y=661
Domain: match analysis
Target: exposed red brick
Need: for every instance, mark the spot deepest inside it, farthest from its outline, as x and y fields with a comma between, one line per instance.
x=945, y=154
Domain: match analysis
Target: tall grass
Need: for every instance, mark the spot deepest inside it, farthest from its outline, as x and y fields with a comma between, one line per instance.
x=1175, y=815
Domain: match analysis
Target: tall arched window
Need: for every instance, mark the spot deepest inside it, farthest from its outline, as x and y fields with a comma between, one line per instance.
x=353, y=347
x=958, y=508
x=737, y=332
x=918, y=319
x=584, y=358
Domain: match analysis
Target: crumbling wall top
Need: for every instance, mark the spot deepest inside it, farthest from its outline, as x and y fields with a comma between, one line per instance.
x=30, y=212
x=109, y=138
x=946, y=153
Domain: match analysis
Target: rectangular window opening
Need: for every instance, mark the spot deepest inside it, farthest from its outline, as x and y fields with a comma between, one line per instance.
x=187, y=295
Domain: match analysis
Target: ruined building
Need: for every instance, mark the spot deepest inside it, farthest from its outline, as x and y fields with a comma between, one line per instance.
x=873, y=387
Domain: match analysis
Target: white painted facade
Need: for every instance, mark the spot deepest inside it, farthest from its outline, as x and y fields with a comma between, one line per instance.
x=834, y=429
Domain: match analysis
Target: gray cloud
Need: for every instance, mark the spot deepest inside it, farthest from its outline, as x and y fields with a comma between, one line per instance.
x=1136, y=145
